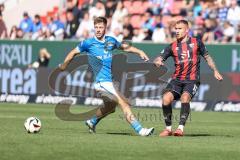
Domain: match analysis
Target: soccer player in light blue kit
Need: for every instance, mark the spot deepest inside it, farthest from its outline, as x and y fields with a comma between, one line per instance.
x=99, y=49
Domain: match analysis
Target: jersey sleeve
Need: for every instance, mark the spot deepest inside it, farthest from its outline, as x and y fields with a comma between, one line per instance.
x=167, y=52
x=117, y=43
x=82, y=46
x=202, y=48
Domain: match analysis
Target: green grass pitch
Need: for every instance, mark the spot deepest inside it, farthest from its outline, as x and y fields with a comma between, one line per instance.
x=209, y=135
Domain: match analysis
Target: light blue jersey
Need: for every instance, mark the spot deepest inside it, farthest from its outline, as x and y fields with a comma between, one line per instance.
x=100, y=56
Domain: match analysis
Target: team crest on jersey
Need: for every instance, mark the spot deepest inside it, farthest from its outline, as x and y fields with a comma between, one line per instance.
x=191, y=45
x=105, y=51
x=177, y=48
x=183, y=55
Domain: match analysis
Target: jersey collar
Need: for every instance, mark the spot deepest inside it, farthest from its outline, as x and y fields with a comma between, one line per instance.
x=99, y=40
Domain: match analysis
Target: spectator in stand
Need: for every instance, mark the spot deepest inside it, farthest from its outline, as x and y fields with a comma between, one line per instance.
x=157, y=21
x=71, y=26
x=115, y=24
x=170, y=34
x=159, y=34
x=148, y=34
x=127, y=35
x=117, y=33
x=47, y=35
x=13, y=33
x=37, y=27
x=127, y=26
x=110, y=7
x=139, y=35
x=85, y=25
x=71, y=7
x=228, y=32
x=2, y=7
x=3, y=28
x=161, y=6
x=109, y=25
x=212, y=31
x=222, y=12
x=190, y=4
x=50, y=24
x=233, y=14
x=120, y=12
x=206, y=12
x=50, y=29
x=97, y=10
x=58, y=27
x=55, y=28
x=167, y=7
x=26, y=25
x=148, y=21
x=208, y=35
x=210, y=11
x=198, y=8
x=156, y=6
x=20, y=34
x=228, y=2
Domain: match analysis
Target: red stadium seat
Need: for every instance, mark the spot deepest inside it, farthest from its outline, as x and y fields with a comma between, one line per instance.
x=80, y=3
x=127, y=4
x=44, y=19
x=136, y=21
x=177, y=5
x=137, y=8
x=55, y=9
x=50, y=13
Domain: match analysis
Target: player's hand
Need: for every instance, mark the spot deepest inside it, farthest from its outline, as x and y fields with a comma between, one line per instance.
x=218, y=76
x=144, y=56
x=63, y=66
x=158, y=62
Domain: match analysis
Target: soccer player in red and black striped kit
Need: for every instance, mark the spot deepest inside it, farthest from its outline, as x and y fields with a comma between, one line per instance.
x=186, y=52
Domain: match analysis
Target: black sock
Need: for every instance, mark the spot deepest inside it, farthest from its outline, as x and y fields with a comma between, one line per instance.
x=185, y=110
x=167, y=113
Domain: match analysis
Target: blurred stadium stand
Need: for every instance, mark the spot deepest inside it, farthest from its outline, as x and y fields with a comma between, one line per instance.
x=209, y=19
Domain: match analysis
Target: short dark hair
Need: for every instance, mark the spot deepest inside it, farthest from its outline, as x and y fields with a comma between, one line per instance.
x=182, y=21
x=25, y=14
x=37, y=16
x=100, y=20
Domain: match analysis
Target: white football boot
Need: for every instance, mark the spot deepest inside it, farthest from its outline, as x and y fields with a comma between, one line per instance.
x=146, y=131
x=91, y=127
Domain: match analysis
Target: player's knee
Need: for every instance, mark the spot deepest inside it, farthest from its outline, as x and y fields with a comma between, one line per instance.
x=167, y=99
x=185, y=98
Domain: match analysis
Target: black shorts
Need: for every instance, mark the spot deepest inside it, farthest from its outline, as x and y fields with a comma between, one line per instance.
x=177, y=87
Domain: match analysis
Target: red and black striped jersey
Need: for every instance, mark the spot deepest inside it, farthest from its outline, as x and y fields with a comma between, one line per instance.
x=186, y=56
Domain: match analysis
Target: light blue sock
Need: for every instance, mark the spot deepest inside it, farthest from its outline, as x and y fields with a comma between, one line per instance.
x=94, y=120
x=136, y=126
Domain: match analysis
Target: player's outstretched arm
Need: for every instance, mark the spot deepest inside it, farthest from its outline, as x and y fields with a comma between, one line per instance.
x=68, y=58
x=212, y=65
x=135, y=50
